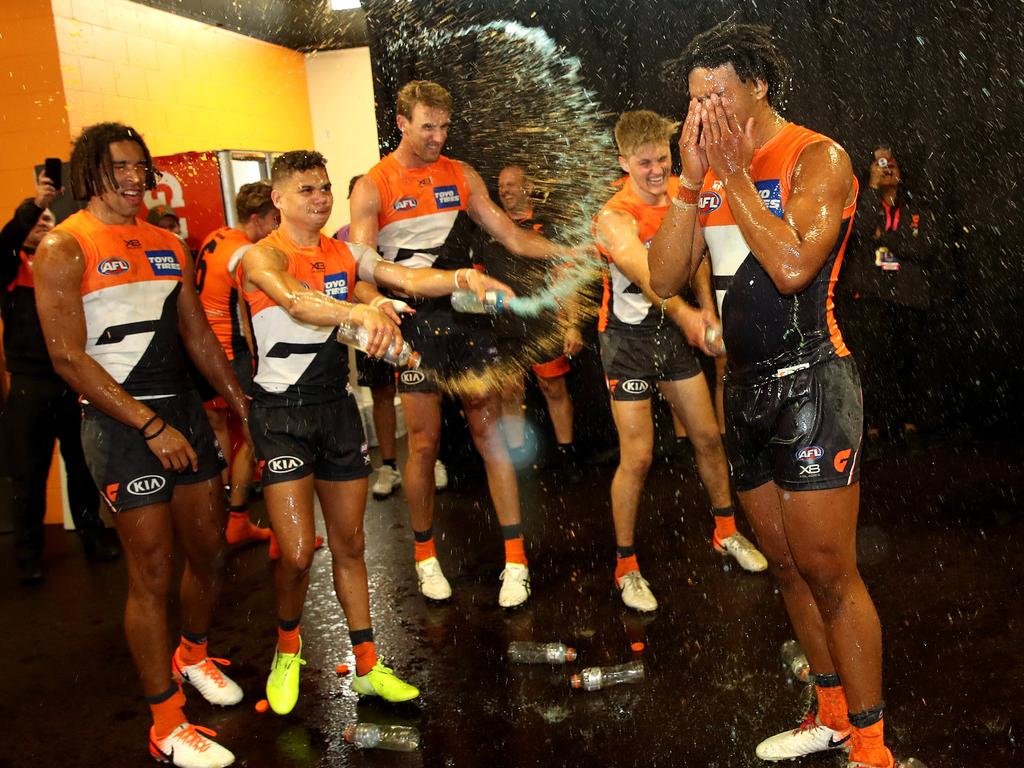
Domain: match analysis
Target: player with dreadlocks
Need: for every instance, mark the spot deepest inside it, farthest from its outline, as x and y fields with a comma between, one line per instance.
x=773, y=203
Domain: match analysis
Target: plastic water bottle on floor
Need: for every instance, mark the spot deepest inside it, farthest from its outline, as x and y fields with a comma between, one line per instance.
x=397, y=738
x=526, y=652
x=494, y=302
x=713, y=341
x=795, y=661
x=596, y=678
x=358, y=337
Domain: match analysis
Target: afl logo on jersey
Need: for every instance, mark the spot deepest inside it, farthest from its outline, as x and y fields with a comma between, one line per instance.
x=709, y=201
x=145, y=485
x=284, y=464
x=412, y=378
x=113, y=266
x=635, y=386
x=810, y=453
x=406, y=203
x=447, y=197
x=336, y=285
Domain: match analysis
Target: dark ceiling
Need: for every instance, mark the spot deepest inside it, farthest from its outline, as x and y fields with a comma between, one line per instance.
x=302, y=25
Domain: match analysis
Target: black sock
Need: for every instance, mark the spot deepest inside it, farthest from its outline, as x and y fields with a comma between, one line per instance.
x=729, y=511
x=358, y=636
x=162, y=697
x=868, y=717
x=289, y=625
x=194, y=637
x=621, y=552
x=828, y=681
x=509, y=532
x=391, y=463
x=423, y=536
x=238, y=508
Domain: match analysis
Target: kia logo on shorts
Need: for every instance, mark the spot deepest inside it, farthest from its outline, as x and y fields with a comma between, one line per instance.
x=413, y=377
x=810, y=453
x=284, y=464
x=634, y=386
x=113, y=266
x=145, y=485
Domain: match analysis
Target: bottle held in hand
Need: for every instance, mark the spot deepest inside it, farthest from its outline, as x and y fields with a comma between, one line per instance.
x=356, y=336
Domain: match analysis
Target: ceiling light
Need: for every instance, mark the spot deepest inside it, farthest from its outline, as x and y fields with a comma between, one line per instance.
x=344, y=5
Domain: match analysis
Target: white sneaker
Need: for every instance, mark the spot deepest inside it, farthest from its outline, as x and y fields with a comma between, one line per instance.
x=433, y=584
x=216, y=687
x=636, y=592
x=810, y=737
x=740, y=547
x=188, y=747
x=388, y=480
x=515, y=585
x=440, y=475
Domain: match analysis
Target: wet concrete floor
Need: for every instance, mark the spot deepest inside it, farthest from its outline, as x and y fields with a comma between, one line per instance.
x=940, y=547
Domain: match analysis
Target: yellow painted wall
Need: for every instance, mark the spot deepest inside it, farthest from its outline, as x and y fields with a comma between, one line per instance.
x=183, y=84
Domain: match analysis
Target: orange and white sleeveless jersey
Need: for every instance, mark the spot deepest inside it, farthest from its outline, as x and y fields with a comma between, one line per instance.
x=769, y=334
x=298, y=363
x=217, y=283
x=624, y=304
x=130, y=293
x=423, y=220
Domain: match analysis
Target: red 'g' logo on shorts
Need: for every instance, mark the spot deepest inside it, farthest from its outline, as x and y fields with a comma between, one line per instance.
x=841, y=459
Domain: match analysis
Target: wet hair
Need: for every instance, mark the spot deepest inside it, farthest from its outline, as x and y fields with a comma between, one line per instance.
x=296, y=161
x=750, y=48
x=641, y=127
x=424, y=92
x=253, y=199
x=92, y=170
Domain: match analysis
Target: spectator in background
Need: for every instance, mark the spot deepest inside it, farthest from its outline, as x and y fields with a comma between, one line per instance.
x=888, y=298
x=41, y=408
x=163, y=216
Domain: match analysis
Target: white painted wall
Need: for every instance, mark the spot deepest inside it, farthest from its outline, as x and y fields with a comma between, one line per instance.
x=344, y=123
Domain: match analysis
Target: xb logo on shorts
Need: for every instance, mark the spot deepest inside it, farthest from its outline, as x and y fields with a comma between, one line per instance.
x=810, y=456
x=635, y=386
x=413, y=377
x=145, y=485
x=281, y=464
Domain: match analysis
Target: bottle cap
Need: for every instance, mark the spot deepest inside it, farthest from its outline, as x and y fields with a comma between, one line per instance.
x=415, y=359
x=341, y=669
x=262, y=706
x=575, y=681
x=637, y=647
x=349, y=733
x=570, y=654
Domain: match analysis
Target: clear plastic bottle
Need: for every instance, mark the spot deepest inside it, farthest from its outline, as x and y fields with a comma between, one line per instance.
x=526, y=652
x=397, y=738
x=713, y=340
x=596, y=678
x=466, y=301
x=358, y=337
x=795, y=661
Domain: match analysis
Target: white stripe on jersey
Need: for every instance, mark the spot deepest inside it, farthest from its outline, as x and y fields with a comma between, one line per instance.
x=728, y=251
x=274, y=325
x=123, y=305
x=630, y=308
x=429, y=231
x=236, y=257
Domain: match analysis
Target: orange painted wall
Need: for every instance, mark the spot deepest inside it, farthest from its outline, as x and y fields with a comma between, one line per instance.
x=184, y=85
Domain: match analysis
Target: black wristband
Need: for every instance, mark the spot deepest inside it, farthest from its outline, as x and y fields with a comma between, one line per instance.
x=145, y=426
x=163, y=426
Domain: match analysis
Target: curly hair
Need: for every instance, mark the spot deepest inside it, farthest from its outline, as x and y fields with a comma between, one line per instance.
x=296, y=161
x=750, y=48
x=92, y=170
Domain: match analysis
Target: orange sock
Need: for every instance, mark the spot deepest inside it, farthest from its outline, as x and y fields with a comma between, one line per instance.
x=288, y=640
x=725, y=526
x=425, y=549
x=624, y=565
x=832, y=707
x=869, y=746
x=366, y=656
x=168, y=714
x=190, y=652
x=515, y=551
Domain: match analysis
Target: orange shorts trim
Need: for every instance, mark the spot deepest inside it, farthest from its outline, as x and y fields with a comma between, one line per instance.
x=553, y=368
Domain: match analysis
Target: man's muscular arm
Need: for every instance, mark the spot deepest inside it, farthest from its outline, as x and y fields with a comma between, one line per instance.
x=793, y=249
x=58, y=267
x=494, y=221
x=617, y=233
x=364, y=207
x=266, y=269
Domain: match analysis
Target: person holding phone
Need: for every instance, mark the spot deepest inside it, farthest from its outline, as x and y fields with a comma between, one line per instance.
x=40, y=407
